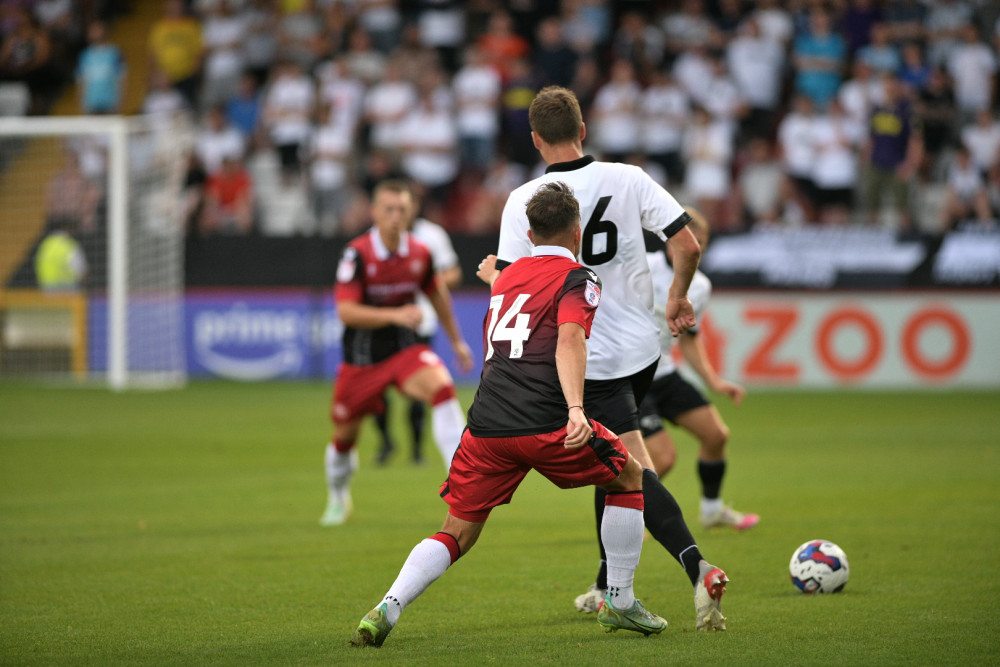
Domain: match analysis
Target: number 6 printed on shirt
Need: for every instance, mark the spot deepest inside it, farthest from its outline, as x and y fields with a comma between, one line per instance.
x=517, y=335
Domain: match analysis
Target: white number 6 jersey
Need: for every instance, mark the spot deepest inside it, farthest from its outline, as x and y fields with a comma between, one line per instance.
x=617, y=201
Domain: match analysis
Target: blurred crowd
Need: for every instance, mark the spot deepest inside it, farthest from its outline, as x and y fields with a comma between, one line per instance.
x=759, y=113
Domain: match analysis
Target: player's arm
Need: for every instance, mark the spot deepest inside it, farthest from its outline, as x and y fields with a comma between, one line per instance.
x=695, y=354
x=451, y=277
x=686, y=255
x=571, y=364
x=440, y=299
x=363, y=316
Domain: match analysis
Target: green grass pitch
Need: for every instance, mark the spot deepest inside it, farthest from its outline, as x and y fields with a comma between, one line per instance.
x=180, y=528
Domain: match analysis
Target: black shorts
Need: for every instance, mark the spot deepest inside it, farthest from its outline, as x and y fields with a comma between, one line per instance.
x=669, y=397
x=615, y=403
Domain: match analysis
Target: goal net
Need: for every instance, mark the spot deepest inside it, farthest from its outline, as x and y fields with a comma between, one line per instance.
x=92, y=249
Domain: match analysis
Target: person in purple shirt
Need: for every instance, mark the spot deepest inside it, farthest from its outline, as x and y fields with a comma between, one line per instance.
x=893, y=152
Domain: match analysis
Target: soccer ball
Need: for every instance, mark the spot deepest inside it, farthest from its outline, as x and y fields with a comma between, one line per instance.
x=819, y=566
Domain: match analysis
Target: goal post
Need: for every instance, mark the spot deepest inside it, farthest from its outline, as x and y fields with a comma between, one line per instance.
x=114, y=185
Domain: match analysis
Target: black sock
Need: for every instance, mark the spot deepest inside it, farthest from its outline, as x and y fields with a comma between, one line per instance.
x=417, y=412
x=665, y=522
x=382, y=421
x=711, y=474
x=602, y=573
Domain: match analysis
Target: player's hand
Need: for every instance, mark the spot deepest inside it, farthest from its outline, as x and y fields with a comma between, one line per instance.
x=680, y=315
x=488, y=270
x=463, y=356
x=730, y=389
x=577, y=429
x=408, y=316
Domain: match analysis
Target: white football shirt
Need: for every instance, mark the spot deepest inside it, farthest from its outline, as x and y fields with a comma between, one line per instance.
x=444, y=256
x=617, y=201
x=699, y=293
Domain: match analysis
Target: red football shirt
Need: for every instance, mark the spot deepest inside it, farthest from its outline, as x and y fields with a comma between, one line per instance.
x=368, y=273
x=519, y=391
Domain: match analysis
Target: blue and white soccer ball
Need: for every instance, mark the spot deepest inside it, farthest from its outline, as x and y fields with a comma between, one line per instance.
x=819, y=566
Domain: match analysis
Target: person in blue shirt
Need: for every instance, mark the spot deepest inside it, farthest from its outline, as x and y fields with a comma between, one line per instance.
x=818, y=58
x=100, y=73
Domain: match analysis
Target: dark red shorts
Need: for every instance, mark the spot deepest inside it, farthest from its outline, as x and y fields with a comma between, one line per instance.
x=486, y=471
x=359, y=388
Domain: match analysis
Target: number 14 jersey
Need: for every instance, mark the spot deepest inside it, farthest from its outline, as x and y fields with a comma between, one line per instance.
x=617, y=201
x=519, y=391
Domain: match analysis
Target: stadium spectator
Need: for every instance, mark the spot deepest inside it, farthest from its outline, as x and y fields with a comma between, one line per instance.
x=819, y=56
x=613, y=115
x=943, y=25
x=386, y=104
x=243, y=109
x=982, y=139
x=377, y=281
x=972, y=66
x=671, y=396
x=494, y=458
x=72, y=199
x=759, y=179
x=289, y=104
x=175, y=48
x=365, y=62
x=516, y=101
x=162, y=98
x=428, y=143
x=906, y=20
x=936, y=108
x=691, y=70
x=756, y=65
x=100, y=73
x=664, y=111
x=880, y=53
x=688, y=28
x=775, y=22
x=857, y=23
x=26, y=55
x=260, y=43
x=728, y=17
x=708, y=154
x=640, y=43
x=552, y=59
x=796, y=154
x=300, y=35
x=382, y=21
x=441, y=27
x=329, y=156
x=223, y=33
x=721, y=96
x=966, y=194
x=893, y=153
x=217, y=141
x=229, y=200
x=501, y=46
x=914, y=71
x=835, y=142
x=585, y=24
x=341, y=95
x=477, y=88
x=859, y=94
x=60, y=262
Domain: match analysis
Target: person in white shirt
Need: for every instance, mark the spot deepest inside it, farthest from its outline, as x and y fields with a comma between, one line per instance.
x=796, y=154
x=477, y=88
x=672, y=397
x=617, y=202
x=756, y=65
x=614, y=113
x=223, y=33
x=428, y=142
x=708, y=151
x=965, y=194
x=330, y=150
x=972, y=66
x=386, y=105
x=982, y=139
x=449, y=272
x=861, y=93
x=288, y=109
x=218, y=141
x=664, y=111
x=836, y=139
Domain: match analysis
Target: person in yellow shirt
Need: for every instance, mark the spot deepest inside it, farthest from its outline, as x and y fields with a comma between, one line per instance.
x=175, y=49
x=60, y=264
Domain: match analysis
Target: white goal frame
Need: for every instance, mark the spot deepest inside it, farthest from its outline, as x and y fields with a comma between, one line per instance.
x=117, y=129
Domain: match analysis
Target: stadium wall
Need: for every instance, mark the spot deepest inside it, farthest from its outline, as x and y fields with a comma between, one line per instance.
x=908, y=340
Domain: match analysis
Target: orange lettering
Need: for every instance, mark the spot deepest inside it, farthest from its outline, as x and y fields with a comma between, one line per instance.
x=760, y=364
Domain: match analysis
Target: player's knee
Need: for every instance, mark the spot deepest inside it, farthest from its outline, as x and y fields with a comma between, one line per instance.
x=715, y=441
x=630, y=478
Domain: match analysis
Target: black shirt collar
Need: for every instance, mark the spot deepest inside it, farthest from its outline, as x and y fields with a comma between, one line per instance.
x=572, y=165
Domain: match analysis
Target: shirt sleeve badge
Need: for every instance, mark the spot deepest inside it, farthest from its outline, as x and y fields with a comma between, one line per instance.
x=592, y=292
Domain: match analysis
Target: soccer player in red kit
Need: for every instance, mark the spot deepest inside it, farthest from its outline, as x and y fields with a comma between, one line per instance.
x=535, y=342
x=378, y=279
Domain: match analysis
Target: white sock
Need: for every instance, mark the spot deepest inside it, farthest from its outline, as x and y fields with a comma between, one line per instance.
x=423, y=566
x=709, y=506
x=447, y=422
x=340, y=467
x=621, y=532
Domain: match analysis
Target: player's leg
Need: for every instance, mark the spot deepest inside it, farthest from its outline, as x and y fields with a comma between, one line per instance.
x=382, y=421
x=431, y=383
x=428, y=560
x=418, y=414
x=706, y=424
x=660, y=446
x=340, y=463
